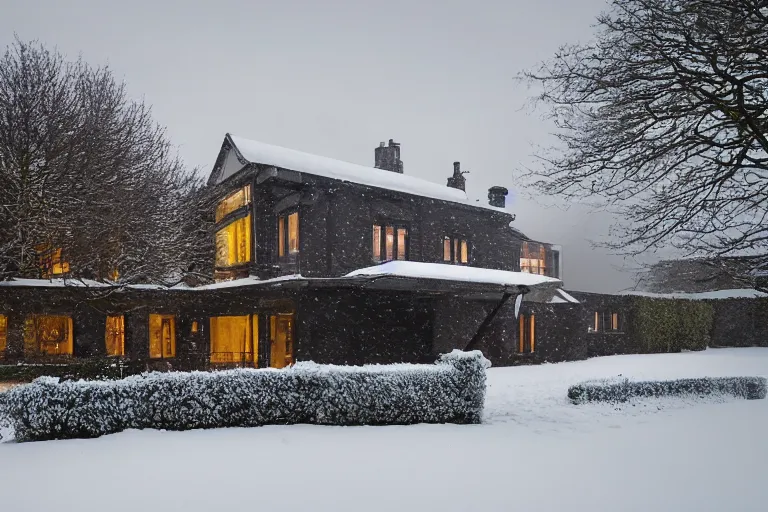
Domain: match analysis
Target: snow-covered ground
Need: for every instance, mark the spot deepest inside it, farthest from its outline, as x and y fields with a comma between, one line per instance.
x=535, y=452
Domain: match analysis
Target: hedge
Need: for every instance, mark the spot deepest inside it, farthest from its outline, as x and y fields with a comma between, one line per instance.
x=622, y=390
x=672, y=325
x=90, y=369
x=450, y=391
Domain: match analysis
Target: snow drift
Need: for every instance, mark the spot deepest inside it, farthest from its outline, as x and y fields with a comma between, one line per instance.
x=622, y=390
x=450, y=391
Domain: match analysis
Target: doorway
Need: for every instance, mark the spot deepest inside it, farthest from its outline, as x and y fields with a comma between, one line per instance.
x=281, y=340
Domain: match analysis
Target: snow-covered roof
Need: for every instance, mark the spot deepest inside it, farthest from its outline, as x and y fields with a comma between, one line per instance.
x=55, y=283
x=563, y=297
x=742, y=293
x=267, y=154
x=419, y=270
x=245, y=281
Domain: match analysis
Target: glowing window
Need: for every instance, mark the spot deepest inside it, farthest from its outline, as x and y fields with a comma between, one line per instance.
x=281, y=340
x=288, y=234
x=235, y=339
x=233, y=243
x=3, y=334
x=195, y=327
x=606, y=321
x=533, y=258
x=51, y=262
x=233, y=202
x=527, y=334
x=455, y=250
x=390, y=242
x=49, y=335
x=115, y=335
x=162, y=336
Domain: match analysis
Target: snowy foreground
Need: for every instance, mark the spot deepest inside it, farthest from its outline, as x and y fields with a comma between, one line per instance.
x=535, y=451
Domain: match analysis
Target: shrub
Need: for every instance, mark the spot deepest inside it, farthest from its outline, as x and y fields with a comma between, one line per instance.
x=450, y=391
x=672, y=325
x=622, y=390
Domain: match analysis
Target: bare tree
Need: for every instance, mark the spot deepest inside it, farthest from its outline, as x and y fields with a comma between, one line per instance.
x=85, y=169
x=664, y=119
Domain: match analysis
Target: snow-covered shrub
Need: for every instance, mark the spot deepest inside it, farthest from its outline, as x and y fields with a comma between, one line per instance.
x=622, y=390
x=450, y=391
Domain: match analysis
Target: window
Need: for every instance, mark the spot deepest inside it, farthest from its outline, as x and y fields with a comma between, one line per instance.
x=3, y=334
x=235, y=339
x=281, y=340
x=288, y=235
x=162, y=336
x=455, y=250
x=390, y=242
x=115, y=335
x=233, y=243
x=606, y=322
x=195, y=327
x=533, y=258
x=51, y=262
x=527, y=334
x=233, y=202
x=48, y=335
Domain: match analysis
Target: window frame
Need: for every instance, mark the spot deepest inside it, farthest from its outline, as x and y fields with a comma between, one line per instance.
x=283, y=238
x=172, y=322
x=526, y=333
x=229, y=221
x=456, y=243
x=614, y=319
x=396, y=226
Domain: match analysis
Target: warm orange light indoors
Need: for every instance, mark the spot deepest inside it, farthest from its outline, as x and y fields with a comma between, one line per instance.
x=376, y=242
x=50, y=335
x=162, y=336
x=533, y=332
x=234, y=339
x=195, y=327
x=51, y=262
x=281, y=340
x=521, y=339
x=115, y=336
x=293, y=233
x=233, y=243
x=234, y=201
x=3, y=334
x=447, y=249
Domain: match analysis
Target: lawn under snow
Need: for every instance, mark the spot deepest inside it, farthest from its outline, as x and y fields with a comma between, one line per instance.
x=535, y=451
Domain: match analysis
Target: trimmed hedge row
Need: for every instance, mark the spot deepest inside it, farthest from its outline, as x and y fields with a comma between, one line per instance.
x=672, y=325
x=85, y=369
x=622, y=390
x=450, y=391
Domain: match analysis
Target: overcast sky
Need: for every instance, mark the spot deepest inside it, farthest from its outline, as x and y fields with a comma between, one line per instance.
x=336, y=77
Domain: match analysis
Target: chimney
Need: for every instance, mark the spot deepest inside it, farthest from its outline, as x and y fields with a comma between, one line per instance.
x=457, y=180
x=497, y=196
x=388, y=157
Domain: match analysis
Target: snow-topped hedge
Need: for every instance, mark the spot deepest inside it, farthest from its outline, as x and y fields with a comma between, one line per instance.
x=621, y=390
x=450, y=391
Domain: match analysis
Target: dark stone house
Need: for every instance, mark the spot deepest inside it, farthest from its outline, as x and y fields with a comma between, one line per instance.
x=316, y=259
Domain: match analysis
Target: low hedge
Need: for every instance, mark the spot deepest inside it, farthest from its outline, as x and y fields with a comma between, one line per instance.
x=87, y=369
x=450, y=391
x=622, y=390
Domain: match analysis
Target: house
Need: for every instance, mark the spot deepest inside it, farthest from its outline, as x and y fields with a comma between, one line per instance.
x=316, y=259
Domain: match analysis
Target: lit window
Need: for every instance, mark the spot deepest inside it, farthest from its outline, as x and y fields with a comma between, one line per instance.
x=233, y=202
x=455, y=250
x=390, y=242
x=162, y=336
x=115, y=335
x=195, y=327
x=51, y=262
x=606, y=322
x=49, y=335
x=233, y=243
x=235, y=339
x=527, y=334
x=533, y=258
x=3, y=334
x=288, y=234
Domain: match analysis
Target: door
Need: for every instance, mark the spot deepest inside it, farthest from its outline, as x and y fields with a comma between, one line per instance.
x=281, y=340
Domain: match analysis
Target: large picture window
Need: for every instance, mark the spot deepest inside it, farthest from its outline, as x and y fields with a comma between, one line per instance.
x=235, y=339
x=533, y=258
x=288, y=235
x=390, y=242
x=233, y=243
x=162, y=336
x=48, y=335
x=455, y=250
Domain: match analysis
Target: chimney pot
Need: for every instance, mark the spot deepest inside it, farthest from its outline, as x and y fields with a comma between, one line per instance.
x=497, y=196
x=458, y=180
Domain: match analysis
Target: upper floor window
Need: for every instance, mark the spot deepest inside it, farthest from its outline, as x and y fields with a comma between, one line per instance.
x=233, y=202
x=390, y=242
x=606, y=321
x=51, y=261
x=288, y=234
x=533, y=258
x=233, y=243
x=455, y=250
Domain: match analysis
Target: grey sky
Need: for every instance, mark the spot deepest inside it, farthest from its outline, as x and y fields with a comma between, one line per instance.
x=336, y=77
